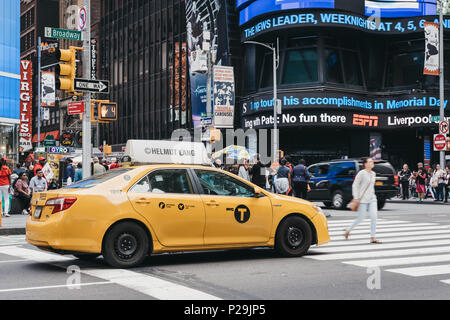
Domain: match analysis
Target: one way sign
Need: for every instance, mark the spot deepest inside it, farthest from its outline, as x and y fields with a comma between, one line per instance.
x=95, y=86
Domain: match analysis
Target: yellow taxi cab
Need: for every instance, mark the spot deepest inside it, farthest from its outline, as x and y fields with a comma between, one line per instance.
x=129, y=213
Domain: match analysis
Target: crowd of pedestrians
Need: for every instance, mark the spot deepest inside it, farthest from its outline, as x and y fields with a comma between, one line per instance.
x=17, y=186
x=423, y=183
x=283, y=177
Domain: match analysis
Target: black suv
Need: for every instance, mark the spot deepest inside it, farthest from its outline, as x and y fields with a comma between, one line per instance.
x=331, y=182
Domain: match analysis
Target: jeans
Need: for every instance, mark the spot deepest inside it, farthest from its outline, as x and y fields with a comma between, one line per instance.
x=5, y=193
x=405, y=190
x=372, y=209
x=301, y=190
x=440, y=192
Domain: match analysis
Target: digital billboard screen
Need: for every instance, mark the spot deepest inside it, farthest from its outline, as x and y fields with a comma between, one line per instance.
x=250, y=9
x=260, y=7
x=400, y=8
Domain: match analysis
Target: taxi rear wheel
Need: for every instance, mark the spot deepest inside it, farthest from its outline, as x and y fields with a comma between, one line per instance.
x=293, y=237
x=126, y=245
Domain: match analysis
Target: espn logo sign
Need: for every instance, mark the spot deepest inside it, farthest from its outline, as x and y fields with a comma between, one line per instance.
x=365, y=121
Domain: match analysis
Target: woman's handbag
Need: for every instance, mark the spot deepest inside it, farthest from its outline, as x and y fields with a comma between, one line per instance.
x=354, y=204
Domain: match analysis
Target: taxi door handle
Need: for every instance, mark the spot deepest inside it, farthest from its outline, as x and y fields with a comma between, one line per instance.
x=143, y=201
x=212, y=203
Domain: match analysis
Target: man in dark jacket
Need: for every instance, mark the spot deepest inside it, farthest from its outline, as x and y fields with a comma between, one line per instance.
x=258, y=175
x=301, y=178
x=69, y=171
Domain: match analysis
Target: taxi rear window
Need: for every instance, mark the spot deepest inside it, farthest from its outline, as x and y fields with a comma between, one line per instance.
x=98, y=179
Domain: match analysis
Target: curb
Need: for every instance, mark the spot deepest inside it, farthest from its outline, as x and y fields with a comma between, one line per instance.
x=415, y=202
x=12, y=231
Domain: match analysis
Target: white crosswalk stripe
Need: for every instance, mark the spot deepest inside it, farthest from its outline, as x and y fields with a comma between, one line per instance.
x=384, y=230
x=410, y=249
x=387, y=226
x=143, y=283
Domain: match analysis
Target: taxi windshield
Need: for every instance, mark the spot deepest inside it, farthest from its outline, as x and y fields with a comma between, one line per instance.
x=98, y=179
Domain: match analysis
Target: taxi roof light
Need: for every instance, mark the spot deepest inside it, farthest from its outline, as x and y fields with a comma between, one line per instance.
x=60, y=204
x=167, y=152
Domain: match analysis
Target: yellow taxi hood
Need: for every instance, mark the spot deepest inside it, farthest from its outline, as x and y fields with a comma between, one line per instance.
x=292, y=199
x=294, y=203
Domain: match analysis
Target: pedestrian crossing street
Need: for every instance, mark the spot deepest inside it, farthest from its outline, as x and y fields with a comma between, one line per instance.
x=408, y=248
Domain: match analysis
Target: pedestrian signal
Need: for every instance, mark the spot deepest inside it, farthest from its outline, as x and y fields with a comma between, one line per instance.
x=107, y=111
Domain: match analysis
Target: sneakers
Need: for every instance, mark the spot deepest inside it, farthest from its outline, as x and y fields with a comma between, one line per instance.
x=7, y=215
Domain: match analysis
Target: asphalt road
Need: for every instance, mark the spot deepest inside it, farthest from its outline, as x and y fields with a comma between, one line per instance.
x=412, y=263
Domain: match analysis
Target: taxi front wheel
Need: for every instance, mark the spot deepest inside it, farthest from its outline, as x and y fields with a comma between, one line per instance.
x=294, y=237
x=126, y=245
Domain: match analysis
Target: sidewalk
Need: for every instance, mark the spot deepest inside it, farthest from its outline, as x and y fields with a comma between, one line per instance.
x=13, y=225
x=414, y=200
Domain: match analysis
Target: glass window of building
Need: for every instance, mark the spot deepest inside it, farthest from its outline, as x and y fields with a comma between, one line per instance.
x=405, y=63
x=267, y=74
x=342, y=62
x=352, y=68
x=300, y=66
x=333, y=67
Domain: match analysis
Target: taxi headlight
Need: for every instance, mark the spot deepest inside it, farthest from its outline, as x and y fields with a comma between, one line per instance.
x=319, y=209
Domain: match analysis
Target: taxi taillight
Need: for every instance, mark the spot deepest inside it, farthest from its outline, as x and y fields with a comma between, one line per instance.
x=396, y=182
x=60, y=204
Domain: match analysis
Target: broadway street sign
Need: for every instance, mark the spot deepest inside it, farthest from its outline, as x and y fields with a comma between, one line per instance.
x=95, y=86
x=62, y=34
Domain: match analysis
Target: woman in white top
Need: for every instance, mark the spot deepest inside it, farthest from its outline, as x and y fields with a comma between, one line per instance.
x=244, y=171
x=364, y=191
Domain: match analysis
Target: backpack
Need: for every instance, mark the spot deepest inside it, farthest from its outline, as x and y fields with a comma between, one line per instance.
x=434, y=182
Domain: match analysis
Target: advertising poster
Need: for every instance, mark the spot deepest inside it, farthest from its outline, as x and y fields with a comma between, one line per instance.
x=375, y=146
x=202, y=16
x=224, y=97
x=53, y=161
x=26, y=103
x=48, y=89
x=431, y=49
x=178, y=83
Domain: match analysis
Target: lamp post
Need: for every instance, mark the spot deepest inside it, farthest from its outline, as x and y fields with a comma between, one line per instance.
x=276, y=59
x=441, y=72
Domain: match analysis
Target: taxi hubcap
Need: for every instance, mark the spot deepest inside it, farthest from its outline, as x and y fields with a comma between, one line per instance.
x=126, y=245
x=294, y=237
x=338, y=200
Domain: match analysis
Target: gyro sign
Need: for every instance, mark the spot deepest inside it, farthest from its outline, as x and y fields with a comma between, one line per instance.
x=26, y=103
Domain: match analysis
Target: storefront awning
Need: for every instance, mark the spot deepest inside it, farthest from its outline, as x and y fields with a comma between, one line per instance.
x=55, y=135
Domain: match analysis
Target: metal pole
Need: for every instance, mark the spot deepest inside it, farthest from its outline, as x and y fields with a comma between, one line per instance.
x=39, y=92
x=441, y=75
x=209, y=99
x=275, y=106
x=87, y=141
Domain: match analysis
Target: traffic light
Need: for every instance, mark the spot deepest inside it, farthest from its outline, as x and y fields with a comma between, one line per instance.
x=107, y=150
x=66, y=70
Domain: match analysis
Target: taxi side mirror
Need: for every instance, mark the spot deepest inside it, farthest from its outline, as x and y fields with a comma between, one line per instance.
x=258, y=193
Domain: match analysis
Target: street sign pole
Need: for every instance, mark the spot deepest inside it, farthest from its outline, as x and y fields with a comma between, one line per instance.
x=87, y=150
x=39, y=93
x=441, y=75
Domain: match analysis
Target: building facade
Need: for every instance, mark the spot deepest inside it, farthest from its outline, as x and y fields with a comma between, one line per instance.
x=350, y=77
x=9, y=78
x=143, y=54
x=350, y=73
x=34, y=17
